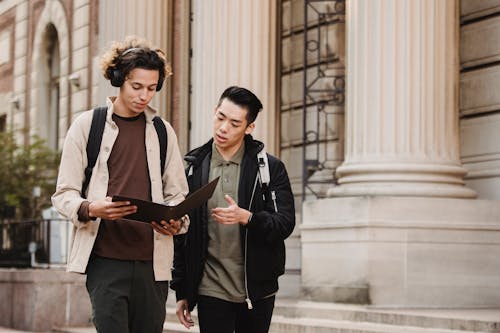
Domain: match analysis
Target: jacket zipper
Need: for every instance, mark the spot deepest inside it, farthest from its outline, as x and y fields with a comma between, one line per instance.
x=273, y=197
x=247, y=299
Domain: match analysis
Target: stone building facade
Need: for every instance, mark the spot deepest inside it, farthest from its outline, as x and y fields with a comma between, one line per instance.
x=384, y=111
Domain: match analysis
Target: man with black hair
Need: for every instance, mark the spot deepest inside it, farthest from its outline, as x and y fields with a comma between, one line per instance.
x=229, y=261
x=128, y=263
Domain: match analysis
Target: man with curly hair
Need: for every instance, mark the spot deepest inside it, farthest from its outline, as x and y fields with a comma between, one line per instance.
x=128, y=264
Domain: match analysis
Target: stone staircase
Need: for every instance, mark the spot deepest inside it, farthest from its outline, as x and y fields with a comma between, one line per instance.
x=295, y=316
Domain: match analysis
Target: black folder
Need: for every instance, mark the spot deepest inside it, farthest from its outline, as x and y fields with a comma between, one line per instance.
x=148, y=211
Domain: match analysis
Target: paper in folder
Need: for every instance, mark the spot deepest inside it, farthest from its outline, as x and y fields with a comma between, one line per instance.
x=148, y=211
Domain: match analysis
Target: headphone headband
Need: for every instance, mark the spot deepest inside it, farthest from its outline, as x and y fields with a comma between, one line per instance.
x=132, y=49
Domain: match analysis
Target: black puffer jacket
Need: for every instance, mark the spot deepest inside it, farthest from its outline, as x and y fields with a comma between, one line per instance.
x=264, y=236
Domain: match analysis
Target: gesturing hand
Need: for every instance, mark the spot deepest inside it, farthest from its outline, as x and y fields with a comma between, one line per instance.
x=109, y=210
x=232, y=214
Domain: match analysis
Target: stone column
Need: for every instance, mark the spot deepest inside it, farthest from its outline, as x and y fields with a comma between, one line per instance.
x=233, y=43
x=401, y=230
x=149, y=19
x=401, y=130
x=18, y=115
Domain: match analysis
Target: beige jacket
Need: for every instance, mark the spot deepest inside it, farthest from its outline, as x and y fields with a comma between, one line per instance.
x=169, y=188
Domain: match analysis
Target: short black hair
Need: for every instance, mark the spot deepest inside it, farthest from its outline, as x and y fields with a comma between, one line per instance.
x=243, y=98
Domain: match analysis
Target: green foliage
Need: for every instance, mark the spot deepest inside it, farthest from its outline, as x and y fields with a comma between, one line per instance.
x=22, y=167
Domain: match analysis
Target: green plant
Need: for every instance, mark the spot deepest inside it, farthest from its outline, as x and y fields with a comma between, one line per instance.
x=22, y=168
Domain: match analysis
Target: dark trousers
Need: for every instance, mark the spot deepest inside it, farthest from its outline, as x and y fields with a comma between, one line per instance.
x=218, y=316
x=125, y=296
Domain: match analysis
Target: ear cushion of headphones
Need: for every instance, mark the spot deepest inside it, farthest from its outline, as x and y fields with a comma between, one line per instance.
x=116, y=78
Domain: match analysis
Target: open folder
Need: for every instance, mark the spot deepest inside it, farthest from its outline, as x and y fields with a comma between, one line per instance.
x=148, y=211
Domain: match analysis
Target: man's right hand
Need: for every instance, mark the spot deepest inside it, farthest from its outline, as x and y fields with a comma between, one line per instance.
x=109, y=210
x=183, y=313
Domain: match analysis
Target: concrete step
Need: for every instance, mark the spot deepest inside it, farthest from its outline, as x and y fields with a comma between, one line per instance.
x=472, y=320
x=306, y=316
x=282, y=324
x=11, y=330
x=169, y=327
x=296, y=316
x=86, y=329
x=172, y=327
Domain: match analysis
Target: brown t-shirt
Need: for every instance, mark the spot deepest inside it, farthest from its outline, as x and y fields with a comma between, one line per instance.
x=128, y=176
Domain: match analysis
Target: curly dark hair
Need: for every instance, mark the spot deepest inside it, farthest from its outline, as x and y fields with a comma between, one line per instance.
x=133, y=53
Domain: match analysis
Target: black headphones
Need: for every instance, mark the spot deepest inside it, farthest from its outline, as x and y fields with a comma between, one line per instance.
x=117, y=78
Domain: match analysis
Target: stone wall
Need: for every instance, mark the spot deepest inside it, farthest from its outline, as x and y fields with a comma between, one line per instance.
x=479, y=98
x=38, y=300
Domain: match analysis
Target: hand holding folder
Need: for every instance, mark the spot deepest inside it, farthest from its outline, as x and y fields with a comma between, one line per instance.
x=148, y=211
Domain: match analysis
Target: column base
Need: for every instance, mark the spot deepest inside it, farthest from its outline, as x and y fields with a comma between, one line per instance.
x=399, y=189
x=402, y=251
x=338, y=294
x=401, y=179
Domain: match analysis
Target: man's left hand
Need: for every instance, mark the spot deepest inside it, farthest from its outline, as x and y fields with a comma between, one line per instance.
x=232, y=214
x=169, y=228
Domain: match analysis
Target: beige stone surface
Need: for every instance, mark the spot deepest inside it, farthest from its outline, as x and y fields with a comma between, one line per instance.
x=81, y=16
x=478, y=93
x=332, y=43
x=408, y=252
x=38, y=300
x=480, y=147
x=293, y=15
x=292, y=85
x=480, y=42
x=6, y=295
x=470, y=9
x=331, y=124
x=80, y=63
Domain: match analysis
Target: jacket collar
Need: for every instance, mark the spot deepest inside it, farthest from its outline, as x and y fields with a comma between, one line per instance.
x=149, y=112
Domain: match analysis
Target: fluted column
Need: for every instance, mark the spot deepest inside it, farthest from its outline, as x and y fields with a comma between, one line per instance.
x=18, y=112
x=233, y=43
x=401, y=135
x=149, y=19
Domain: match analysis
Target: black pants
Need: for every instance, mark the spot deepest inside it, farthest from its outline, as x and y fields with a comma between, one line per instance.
x=125, y=296
x=218, y=316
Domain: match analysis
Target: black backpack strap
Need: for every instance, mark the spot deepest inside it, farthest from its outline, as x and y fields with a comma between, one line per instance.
x=94, y=144
x=161, y=130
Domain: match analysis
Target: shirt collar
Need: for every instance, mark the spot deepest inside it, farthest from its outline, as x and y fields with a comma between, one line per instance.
x=217, y=158
x=149, y=112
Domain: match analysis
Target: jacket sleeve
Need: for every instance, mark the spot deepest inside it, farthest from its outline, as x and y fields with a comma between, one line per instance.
x=178, y=282
x=67, y=198
x=179, y=268
x=175, y=186
x=277, y=220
